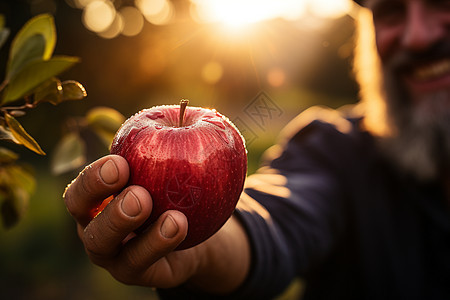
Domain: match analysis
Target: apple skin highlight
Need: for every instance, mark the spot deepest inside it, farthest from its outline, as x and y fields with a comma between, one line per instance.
x=198, y=168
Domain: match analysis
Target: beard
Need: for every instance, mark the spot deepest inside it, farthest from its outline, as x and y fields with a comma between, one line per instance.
x=420, y=140
x=412, y=131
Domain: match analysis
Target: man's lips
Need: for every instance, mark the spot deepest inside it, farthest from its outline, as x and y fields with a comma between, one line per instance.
x=429, y=77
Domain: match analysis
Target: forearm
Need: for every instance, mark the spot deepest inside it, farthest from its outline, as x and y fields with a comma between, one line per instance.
x=225, y=260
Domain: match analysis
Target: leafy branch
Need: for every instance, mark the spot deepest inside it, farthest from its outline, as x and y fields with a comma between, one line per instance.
x=30, y=79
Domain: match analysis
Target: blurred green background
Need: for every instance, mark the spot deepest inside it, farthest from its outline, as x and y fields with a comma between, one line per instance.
x=288, y=63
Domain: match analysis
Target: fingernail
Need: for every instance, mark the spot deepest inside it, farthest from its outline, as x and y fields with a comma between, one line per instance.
x=169, y=228
x=130, y=205
x=109, y=172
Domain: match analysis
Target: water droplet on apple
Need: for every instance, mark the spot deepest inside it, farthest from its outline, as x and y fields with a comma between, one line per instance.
x=157, y=126
x=155, y=115
x=215, y=121
x=133, y=132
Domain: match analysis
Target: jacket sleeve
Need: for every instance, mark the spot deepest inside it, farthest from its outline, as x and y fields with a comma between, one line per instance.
x=294, y=209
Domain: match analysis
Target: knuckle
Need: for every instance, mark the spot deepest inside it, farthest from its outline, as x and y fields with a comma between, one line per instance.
x=128, y=272
x=114, y=225
x=96, y=252
x=81, y=187
x=133, y=263
x=92, y=243
x=127, y=278
x=72, y=206
x=88, y=182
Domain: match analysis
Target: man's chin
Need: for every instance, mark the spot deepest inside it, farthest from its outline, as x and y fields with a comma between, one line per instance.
x=432, y=107
x=421, y=145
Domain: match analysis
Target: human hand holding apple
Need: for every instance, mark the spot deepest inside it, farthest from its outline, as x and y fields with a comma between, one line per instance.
x=190, y=159
x=218, y=265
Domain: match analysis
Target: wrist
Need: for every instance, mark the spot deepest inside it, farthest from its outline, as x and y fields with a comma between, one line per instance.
x=223, y=260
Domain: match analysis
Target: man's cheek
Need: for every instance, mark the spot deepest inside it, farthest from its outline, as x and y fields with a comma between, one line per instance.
x=387, y=42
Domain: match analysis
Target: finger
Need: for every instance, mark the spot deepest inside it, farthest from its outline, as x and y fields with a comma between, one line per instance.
x=102, y=178
x=143, y=251
x=104, y=235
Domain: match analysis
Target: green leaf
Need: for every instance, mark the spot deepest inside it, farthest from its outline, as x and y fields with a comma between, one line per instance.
x=16, y=186
x=7, y=156
x=6, y=134
x=40, y=25
x=22, y=177
x=13, y=206
x=32, y=49
x=4, y=34
x=21, y=135
x=105, y=122
x=34, y=74
x=73, y=90
x=70, y=154
x=50, y=91
x=9, y=213
x=105, y=118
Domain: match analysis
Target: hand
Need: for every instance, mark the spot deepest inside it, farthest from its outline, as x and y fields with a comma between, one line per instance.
x=148, y=259
x=109, y=239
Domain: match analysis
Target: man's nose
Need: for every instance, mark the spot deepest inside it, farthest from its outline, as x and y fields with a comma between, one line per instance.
x=423, y=27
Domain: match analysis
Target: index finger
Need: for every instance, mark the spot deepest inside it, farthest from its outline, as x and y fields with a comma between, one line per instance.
x=99, y=180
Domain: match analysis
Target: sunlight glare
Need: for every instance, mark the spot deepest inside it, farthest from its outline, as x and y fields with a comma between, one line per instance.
x=330, y=9
x=236, y=13
x=239, y=12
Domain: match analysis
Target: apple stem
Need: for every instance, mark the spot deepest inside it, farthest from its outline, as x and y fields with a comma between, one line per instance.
x=183, y=105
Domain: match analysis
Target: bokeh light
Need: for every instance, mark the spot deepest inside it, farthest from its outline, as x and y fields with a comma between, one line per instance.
x=133, y=21
x=157, y=12
x=276, y=77
x=114, y=29
x=82, y=3
x=212, y=72
x=98, y=15
x=151, y=7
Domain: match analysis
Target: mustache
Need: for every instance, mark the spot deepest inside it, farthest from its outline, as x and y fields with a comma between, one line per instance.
x=406, y=60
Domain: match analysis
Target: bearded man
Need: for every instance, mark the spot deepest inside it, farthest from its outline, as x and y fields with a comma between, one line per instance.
x=356, y=202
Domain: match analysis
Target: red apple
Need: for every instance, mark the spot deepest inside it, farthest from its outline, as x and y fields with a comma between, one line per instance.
x=190, y=159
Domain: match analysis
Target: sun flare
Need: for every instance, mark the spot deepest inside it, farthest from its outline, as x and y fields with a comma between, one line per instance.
x=239, y=13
